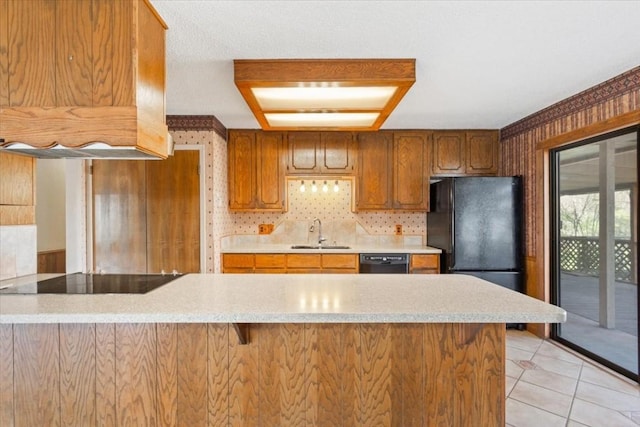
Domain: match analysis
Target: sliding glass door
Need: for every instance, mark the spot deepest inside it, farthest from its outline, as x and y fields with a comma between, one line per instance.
x=595, y=247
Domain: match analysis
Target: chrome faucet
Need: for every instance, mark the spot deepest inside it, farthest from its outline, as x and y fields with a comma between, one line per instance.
x=320, y=238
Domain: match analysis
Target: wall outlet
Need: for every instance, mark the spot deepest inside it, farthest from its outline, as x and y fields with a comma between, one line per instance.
x=398, y=229
x=265, y=228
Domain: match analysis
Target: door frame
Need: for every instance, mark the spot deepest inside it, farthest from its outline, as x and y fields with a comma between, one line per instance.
x=552, y=260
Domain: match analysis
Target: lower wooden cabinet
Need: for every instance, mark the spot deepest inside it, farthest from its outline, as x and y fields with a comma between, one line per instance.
x=290, y=263
x=424, y=264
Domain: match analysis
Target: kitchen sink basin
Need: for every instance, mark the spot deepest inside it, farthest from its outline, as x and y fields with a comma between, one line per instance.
x=320, y=247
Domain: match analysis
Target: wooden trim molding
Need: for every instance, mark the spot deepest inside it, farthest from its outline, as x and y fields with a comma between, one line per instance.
x=618, y=122
x=611, y=89
x=197, y=123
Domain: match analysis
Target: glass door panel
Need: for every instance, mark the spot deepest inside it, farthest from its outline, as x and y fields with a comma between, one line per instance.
x=595, y=203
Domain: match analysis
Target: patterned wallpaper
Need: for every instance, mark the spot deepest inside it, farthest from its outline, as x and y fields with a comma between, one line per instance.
x=616, y=96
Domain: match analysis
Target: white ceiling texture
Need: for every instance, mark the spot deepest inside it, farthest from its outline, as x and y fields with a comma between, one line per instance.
x=479, y=64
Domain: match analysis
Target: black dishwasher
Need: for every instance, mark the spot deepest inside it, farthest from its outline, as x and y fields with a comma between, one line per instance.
x=384, y=263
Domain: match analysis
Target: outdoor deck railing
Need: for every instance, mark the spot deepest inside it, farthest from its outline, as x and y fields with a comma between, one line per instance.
x=581, y=255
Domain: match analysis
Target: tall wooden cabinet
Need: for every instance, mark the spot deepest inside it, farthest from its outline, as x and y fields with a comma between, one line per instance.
x=458, y=153
x=393, y=171
x=256, y=171
x=325, y=153
x=94, y=66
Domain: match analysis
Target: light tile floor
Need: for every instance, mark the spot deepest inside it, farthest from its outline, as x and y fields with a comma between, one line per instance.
x=549, y=385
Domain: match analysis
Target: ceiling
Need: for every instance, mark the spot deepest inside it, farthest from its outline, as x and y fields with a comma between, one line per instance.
x=479, y=64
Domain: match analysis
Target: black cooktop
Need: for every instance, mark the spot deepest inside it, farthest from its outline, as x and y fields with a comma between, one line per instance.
x=80, y=283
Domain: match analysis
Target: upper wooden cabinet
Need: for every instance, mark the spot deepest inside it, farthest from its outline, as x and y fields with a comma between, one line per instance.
x=94, y=66
x=375, y=162
x=256, y=171
x=482, y=152
x=458, y=153
x=411, y=170
x=393, y=171
x=17, y=189
x=324, y=153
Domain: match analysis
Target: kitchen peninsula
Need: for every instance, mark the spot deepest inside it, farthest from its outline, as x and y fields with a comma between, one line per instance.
x=320, y=350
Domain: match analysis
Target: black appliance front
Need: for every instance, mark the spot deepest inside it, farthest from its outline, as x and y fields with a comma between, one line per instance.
x=478, y=224
x=80, y=283
x=384, y=263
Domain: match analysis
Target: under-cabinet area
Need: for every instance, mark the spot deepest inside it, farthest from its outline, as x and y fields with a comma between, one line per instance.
x=290, y=263
x=307, y=263
x=391, y=168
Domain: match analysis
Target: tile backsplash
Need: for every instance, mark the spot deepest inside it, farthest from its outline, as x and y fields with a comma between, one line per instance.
x=330, y=207
x=18, y=251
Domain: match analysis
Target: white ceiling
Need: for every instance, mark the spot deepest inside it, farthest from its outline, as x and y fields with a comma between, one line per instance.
x=479, y=64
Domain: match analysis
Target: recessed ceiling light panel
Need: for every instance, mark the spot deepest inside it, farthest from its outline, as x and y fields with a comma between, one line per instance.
x=331, y=94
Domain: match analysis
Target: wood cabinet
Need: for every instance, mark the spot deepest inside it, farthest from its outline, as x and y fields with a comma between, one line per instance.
x=393, y=171
x=293, y=263
x=17, y=189
x=256, y=171
x=424, y=264
x=94, y=66
x=411, y=171
x=375, y=162
x=457, y=153
x=321, y=153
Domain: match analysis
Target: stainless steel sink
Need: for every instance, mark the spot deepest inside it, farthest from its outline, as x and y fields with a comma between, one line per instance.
x=320, y=247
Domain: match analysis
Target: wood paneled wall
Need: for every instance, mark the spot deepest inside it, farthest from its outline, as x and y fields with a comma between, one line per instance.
x=289, y=374
x=525, y=144
x=52, y=261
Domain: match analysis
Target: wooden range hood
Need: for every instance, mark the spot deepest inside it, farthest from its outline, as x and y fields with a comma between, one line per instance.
x=73, y=74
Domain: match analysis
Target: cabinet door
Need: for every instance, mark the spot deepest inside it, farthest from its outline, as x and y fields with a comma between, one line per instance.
x=17, y=190
x=303, y=151
x=16, y=179
x=410, y=171
x=482, y=152
x=448, y=153
x=374, y=185
x=338, y=153
x=28, y=42
x=74, y=53
x=241, y=169
x=425, y=264
x=270, y=193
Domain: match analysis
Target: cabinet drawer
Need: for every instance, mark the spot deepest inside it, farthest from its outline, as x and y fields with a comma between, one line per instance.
x=270, y=261
x=237, y=261
x=425, y=261
x=339, y=261
x=303, y=261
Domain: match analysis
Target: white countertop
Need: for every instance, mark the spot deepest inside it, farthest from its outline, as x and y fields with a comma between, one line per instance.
x=273, y=248
x=292, y=298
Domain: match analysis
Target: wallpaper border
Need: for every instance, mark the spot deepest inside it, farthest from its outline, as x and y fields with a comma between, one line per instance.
x=196, y=123
x=610, y=89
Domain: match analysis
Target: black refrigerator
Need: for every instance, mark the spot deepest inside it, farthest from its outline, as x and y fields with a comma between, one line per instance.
x=478, y=224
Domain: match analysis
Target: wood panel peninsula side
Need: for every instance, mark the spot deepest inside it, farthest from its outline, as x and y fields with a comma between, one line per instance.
x=322, y=350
